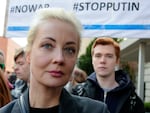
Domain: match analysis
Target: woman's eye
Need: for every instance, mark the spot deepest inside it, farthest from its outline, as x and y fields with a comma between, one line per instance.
x=47, y=46
x=70, y=51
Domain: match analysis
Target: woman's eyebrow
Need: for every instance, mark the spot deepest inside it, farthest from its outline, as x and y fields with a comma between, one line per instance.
x=68, y=43
x=50, y=38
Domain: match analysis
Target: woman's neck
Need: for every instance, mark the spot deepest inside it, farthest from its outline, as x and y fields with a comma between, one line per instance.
x=44, y=97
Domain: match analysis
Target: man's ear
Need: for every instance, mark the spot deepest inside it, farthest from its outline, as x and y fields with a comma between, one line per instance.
x=118, y=62
x=28, y=57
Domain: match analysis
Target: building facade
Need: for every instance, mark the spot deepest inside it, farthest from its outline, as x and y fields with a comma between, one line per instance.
x=8, y=46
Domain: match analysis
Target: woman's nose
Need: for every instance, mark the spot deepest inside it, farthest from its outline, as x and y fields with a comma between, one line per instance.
x=59, y=57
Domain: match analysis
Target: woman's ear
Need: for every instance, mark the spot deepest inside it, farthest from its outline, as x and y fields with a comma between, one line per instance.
x=28, y=57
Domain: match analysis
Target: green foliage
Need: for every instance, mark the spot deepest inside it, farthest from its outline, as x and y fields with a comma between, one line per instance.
x=85, y=60
x=118, y=39
x=147, y=106
x=129, y=69
x=85, y=63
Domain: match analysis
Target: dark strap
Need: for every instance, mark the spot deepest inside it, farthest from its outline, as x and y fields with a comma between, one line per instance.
x=22, y=104
x=133, y=98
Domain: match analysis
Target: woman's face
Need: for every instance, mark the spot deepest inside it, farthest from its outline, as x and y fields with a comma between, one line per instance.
x=53, y=53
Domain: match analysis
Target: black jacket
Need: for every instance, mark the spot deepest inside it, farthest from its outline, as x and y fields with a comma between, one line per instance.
x=20, y=87
x=68, y=104
x=122, y=99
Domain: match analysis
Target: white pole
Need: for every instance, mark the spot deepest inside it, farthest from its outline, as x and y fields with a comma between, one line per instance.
x=6, y=18
x=141, y=64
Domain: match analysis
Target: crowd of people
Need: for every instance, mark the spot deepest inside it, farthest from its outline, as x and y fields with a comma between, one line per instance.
x=47, y=80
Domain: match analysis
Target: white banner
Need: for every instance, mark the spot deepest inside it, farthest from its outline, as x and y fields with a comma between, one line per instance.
x=116, y=18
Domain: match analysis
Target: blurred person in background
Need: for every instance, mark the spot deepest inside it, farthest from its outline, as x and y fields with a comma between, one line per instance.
x=12, y=78
x=2, y=61
x=2, y=66
x=22, y=72
x=78, y=76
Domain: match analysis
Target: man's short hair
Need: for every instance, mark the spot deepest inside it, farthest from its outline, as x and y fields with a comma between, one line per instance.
x=107, y=41
x=19, y=52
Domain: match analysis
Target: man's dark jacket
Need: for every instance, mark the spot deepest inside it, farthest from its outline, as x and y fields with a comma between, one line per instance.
x=122, y=99
x=68, y=104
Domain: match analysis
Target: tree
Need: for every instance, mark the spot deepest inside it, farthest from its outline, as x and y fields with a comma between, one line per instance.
x=85, y=60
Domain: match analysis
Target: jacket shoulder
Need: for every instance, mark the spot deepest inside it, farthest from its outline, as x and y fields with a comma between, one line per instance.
x=11, y=107
x=86, y=104
x=84, y=89
x=79, y=89
x=133, y=104
x=137, y=104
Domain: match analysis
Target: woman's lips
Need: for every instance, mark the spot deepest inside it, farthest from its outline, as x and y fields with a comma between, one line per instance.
x=56, y=73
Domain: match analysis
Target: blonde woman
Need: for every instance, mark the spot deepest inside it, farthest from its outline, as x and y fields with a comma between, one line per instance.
x=52, y=50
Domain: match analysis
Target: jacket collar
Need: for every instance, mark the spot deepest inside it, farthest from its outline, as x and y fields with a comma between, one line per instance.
x=65, y=100
x=121, y=77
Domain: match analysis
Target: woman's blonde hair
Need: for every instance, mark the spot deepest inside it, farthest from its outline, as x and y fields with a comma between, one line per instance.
x=52, y=13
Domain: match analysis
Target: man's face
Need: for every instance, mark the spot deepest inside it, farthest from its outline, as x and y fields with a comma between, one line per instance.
x=104, y=60
x=22, y=68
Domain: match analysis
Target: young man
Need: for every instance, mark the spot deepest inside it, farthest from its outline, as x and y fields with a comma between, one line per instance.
x=107, y=85
x=22, y=71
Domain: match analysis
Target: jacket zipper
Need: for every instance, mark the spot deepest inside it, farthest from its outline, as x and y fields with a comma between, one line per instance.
x=105, y=95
